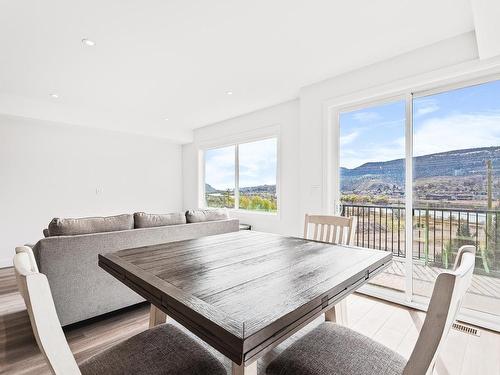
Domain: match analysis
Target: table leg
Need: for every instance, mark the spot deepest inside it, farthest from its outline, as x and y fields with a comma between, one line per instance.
x=251, y=369
x=338, y=313
x=156, y=316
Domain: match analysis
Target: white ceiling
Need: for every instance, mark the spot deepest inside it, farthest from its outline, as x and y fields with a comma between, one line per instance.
x=177, y=59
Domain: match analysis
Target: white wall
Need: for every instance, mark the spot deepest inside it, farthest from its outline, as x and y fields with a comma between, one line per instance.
x=53, y=170
x=486, y=14
x=286, y=117
x=304, y=123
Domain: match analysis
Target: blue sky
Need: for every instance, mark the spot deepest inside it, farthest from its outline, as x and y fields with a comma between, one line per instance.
x=258, y=161
x=458, y=119
x=219, y=167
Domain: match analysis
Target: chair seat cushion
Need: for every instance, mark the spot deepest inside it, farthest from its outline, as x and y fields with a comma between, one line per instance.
x=332, y=349
x=162, y=350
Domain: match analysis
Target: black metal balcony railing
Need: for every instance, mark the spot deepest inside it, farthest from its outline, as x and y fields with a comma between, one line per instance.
x=437, y=233
x=378, y=227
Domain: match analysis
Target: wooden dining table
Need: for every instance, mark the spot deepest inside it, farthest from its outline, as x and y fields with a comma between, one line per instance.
x=245, y=292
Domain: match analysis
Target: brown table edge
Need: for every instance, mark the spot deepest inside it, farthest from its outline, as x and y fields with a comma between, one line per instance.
x=258, y=350
x=204, y=328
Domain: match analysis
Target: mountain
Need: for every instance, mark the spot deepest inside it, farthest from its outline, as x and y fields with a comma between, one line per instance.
x=210, y=189
x=259, y=189
x=270, y=189
x=390, y=175
x=453, y=174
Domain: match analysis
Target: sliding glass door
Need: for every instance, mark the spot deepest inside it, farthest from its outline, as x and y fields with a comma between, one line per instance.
x=372, y=182
x=456, y=188
x=450, y=142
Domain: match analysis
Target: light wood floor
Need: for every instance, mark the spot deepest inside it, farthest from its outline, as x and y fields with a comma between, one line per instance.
x=393, y=325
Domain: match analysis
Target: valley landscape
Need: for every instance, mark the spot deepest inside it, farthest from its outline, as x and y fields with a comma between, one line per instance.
x=456, y=178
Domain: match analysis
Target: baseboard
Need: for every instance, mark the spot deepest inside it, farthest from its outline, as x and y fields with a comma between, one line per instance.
x=6, y=262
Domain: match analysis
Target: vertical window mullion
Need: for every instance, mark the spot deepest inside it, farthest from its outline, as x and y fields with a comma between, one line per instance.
x=236, y=177
x=201, y=161
x=409, y=198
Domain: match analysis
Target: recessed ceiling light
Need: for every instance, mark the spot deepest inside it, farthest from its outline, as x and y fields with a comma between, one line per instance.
x=88, y=42
x=229, y=93
x=55, y=96
x=166, y=119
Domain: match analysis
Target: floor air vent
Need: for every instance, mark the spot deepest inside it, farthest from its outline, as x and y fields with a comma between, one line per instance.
x=466, y=329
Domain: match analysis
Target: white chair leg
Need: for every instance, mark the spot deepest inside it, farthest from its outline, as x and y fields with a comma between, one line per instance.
x=156, y=317
x=251, y=369
x=338, y=313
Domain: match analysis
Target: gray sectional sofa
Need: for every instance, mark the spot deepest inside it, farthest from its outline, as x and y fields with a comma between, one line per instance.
x=68, y=255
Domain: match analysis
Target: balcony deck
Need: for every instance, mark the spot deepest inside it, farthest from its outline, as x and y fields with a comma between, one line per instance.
x=437, y=235
x=484, y=291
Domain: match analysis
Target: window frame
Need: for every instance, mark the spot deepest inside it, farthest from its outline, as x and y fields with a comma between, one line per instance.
x=272, y=132
x=331, y=156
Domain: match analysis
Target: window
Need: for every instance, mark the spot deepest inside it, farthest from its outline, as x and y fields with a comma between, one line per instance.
x=243, y=176
x=372, y=178
x=456, y=184
x=421, y=173
x=220, y=177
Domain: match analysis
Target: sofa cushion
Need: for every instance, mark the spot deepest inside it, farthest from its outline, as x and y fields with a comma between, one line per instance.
x=198, y=216
x=144, y=220
x=46, y=233
x=86, y=225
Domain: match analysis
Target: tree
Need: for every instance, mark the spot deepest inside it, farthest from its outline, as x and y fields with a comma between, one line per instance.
x=464, y=236
x=383, y=199
x=244, y=202
x=256, y=202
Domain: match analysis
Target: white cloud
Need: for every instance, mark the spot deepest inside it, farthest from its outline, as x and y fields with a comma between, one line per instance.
x=372, y=152
x=257, y=165
x=348, y=138
x=425, y=106
x=366, y=116
x=455, y=132
x=219, y=168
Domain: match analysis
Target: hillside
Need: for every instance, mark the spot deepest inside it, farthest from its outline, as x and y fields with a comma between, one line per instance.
x=250, y=190
x=452, y=175
x=209, y=189
x=388, y=176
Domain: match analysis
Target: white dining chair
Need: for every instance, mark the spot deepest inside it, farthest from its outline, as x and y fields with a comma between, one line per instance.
x=337, y=230
x=334, y=349
x=328, y=228
x=164, y=349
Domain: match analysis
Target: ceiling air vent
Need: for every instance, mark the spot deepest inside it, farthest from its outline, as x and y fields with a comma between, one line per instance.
x=466, y=329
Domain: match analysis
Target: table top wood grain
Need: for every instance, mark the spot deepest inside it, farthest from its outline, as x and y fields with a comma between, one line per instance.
x=244, y=292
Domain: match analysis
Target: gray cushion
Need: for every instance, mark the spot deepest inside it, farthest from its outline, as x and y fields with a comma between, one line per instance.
x=162, y=350
x=144, y=220
x=336, y=350
x=46, y=233
x=197, y=216
x=86, y=225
